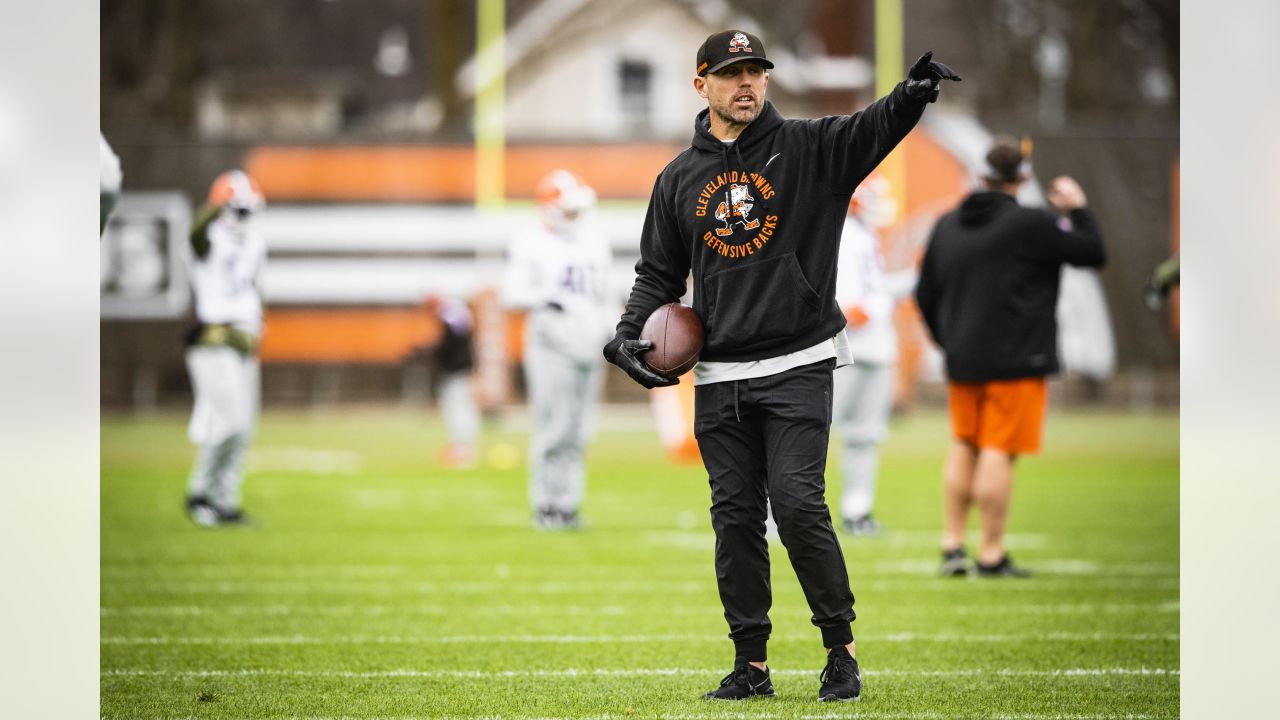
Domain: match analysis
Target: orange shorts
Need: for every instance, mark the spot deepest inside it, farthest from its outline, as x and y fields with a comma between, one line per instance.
x=1001, y=414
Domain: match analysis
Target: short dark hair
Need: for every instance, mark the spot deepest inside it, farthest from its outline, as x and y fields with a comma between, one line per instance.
x=1004, y=161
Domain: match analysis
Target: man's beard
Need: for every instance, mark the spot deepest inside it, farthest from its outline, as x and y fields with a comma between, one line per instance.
x=733, y=116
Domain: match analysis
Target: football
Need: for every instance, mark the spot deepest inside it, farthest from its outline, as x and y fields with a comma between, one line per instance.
x=676, y=334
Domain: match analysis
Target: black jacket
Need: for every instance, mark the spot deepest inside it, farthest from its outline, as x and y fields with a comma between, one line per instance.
x=988, y=285
x=758, y=224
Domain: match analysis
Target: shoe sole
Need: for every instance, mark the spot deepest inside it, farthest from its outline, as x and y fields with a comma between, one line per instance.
x=749, y=697
x=833, y=698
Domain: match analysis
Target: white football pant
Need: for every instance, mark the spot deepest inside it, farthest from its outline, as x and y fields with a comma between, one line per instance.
x=458, y=405
x=223, y=420
x=562, y=398
x=863, y=397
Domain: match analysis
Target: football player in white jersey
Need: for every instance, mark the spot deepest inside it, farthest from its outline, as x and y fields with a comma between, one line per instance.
x=557, y=272
x=225, y=264
x=863, y=392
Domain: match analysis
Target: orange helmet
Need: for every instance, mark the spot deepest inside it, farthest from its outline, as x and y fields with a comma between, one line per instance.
x=236, y=190
x=562, y=196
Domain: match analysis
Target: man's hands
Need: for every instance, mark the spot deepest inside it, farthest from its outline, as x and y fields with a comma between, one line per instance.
x=1065, y=194
x=625, y=354
x=926, y=75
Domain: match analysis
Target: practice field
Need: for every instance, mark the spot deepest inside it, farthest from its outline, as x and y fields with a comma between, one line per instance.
x=374, y=584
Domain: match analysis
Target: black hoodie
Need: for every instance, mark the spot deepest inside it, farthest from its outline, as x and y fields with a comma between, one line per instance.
x=988, y=285
x=757, y=222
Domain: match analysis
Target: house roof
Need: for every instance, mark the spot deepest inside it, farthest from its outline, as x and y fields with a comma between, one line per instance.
x=548, y=18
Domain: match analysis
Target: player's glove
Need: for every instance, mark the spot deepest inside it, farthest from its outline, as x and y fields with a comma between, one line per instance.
x=625, y=352
x=926, y=75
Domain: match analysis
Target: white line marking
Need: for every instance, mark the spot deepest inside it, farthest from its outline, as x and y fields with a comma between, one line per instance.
x=327, y=586
x=373, y=610
x=602, y=639
x=314, y=461
x=888, y=716
x=726, y=716
x=591, y=610
x=312, y=586
x=917, y=567
x=1065, y=608
x=1042, y=566
x=629, y=672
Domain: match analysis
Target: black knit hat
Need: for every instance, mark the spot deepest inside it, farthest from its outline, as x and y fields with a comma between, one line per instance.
x=729, y=46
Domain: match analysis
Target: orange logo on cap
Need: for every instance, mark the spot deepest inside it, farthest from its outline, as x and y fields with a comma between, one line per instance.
x=739, y=43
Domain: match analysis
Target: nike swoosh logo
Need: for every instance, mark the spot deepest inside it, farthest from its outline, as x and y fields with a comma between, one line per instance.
x=771, y=159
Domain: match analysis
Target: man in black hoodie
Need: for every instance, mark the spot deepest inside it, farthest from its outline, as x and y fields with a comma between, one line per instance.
x=753, y=211
x=988, y=291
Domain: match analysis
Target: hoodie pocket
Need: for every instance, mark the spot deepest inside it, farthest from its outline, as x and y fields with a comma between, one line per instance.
x=758, y=305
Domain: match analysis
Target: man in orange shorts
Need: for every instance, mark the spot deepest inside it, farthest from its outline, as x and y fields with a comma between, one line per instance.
x=988, y=291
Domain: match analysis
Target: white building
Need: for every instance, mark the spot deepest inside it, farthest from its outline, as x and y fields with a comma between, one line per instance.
x=564, y=81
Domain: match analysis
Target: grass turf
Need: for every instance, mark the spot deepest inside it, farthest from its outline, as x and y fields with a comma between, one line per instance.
x=375, y=584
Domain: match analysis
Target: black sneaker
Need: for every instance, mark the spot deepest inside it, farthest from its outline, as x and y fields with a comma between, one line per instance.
x=955, y=563
x=866, y=526
x=569, y=520
x=1004, y=568
x=745, y=681
x=232, y=517
x=841, y=678
x=547, y=519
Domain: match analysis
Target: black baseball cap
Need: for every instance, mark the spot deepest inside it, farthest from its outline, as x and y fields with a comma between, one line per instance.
x=730, y=46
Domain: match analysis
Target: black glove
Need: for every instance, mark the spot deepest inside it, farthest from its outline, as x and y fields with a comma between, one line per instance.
x=625, y=353
x=926, y=75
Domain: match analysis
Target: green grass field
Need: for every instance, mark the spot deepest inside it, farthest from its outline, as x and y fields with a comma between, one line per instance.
x=376, y=585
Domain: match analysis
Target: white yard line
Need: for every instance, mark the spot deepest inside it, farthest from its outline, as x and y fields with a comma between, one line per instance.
x=375, y=610
x=896, y=716
x=726, y=716
x=591, y=610
x=328, y=586
x=632, y=672
x=915, y=567
x=611, y=639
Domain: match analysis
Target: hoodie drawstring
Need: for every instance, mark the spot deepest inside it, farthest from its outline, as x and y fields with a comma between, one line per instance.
x=724, y=163
x=735, y=402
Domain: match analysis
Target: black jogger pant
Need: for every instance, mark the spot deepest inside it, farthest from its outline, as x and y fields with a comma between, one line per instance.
x=766, y=439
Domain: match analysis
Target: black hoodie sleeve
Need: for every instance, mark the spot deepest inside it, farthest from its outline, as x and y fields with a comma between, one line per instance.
x=663, y=265
x=853, y=145
x=1081, y=245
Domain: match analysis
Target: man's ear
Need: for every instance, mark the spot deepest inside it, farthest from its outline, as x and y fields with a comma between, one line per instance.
x=700, y=84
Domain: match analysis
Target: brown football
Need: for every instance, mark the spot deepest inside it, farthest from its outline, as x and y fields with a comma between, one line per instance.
x=676, y=334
